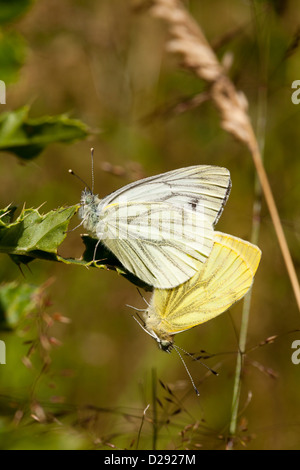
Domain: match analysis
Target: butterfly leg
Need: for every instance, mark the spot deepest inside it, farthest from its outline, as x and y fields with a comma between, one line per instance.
x=95, y=251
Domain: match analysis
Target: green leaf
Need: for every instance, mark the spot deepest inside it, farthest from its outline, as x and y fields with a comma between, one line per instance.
x=7, y=214
x=10, y=10
x=12, y=55
x=16, y=301
x=28, y=137
x=33, y=233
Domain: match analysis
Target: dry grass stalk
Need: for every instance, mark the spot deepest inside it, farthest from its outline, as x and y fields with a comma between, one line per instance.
x=188, y=41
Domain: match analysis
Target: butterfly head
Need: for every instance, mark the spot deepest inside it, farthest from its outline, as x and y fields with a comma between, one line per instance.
x=87, y=197
x=164, y=344
x=88, y=211
x=164, y=341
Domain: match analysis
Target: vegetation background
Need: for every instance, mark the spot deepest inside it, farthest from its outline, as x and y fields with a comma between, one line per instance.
x=79, y=372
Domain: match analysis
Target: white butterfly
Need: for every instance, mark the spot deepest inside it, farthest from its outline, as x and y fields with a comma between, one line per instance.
x=160, y=227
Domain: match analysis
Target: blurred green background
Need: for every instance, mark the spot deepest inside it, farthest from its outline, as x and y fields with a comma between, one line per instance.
x=104, y=63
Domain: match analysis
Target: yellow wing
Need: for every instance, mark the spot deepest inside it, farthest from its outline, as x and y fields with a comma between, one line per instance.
x=224, y=279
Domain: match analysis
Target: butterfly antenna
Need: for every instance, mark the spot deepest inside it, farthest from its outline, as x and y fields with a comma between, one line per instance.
x=135, y=308
x=188, y=372
x=92, y=158
x=143, y=297
x=80, y=179
x=202, y=363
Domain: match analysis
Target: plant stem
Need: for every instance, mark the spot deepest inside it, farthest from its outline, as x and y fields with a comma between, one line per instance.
x=154, y=436
x=261, y=121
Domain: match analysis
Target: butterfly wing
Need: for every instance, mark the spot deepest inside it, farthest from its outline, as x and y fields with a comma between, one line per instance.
x=161, y=226
x=223, y=280
x=158, y=243
x=200, y=184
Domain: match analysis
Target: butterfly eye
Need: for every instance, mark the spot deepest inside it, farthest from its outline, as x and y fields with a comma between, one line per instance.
x=87, y=197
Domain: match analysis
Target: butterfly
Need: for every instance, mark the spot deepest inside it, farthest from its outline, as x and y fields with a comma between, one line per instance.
x=160, y=228
x=224, y=279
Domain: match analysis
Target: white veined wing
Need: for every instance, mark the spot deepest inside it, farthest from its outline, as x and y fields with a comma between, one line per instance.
x=161, y=226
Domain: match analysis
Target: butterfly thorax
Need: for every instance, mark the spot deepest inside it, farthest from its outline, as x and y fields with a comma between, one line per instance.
x=89, y=211
x=154, y=325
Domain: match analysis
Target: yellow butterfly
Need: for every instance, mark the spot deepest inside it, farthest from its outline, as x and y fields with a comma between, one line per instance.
x=224, y=279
